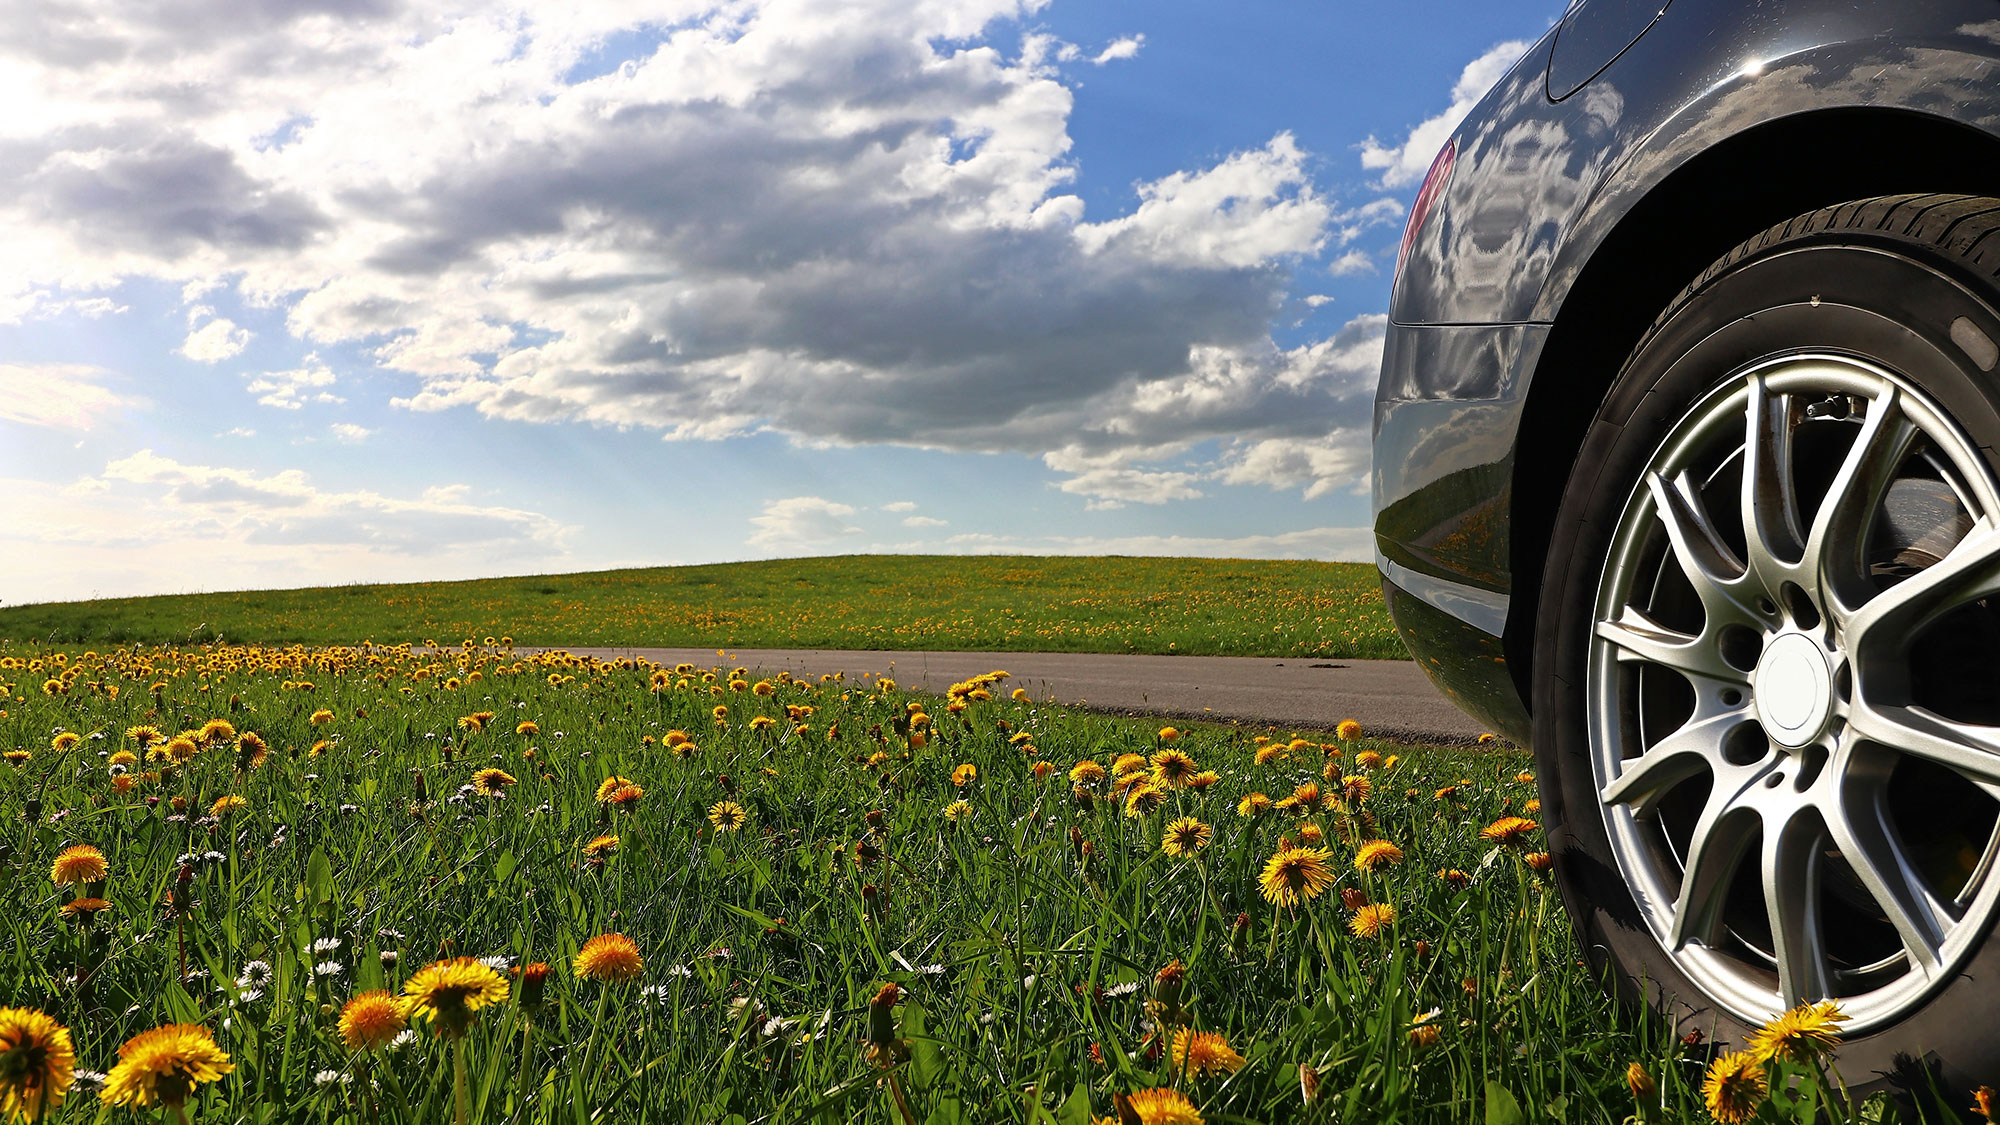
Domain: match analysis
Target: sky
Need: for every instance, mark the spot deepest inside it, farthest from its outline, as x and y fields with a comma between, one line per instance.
x=301, y=292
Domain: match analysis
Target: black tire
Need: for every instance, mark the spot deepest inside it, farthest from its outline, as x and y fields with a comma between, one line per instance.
x=1884, y=279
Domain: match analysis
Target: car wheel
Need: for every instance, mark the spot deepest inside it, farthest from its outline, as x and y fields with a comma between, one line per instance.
x=1767, y=671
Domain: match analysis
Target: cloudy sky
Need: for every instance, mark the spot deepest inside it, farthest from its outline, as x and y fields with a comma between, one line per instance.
x=305, y=291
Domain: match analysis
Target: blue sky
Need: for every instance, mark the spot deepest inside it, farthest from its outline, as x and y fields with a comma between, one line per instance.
x=322, y=291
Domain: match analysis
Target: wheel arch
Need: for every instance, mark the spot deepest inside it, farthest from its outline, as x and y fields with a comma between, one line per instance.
x=1783, y=168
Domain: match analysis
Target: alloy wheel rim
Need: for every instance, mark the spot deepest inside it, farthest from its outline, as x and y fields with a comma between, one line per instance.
x=1762, y=719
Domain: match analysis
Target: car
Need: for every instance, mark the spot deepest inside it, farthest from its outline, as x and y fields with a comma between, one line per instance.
x=1687, y=476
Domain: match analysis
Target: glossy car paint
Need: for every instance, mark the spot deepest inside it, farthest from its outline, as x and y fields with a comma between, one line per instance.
x=1738, y=112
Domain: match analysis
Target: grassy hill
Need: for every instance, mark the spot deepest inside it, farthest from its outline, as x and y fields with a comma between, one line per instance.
x=965, y=603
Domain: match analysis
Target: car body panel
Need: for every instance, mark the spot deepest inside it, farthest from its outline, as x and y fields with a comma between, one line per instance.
x=1538, y=187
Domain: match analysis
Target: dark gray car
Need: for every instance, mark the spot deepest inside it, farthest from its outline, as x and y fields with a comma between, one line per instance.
x=1687, y=473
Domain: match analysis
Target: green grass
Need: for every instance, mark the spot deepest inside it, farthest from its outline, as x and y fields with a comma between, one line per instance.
x=1027, y=967
x=958, y=603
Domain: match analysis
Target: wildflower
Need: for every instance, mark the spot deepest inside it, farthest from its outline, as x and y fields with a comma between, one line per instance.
x=67, y=740
x=1204, y=1053
x=1540, y=861
x=37, y=1064
x=1185, y=836
x=1172, y=768
x=609, y=786
x=1458, y=879
x=1160, y=1106
x=226, y=804
x=1376, y=853
x=1267, y=754
x=79, y=863
x=321, y=717
x=1510, y=831
x=450, y=993
x=534, y=986
x=1144, y=798
x=84, y=908
x=1312, y=834
x=1445, y=792
x=1734, y=1088
x=1306, y=797
x=1125, y=765
x=1204, y=779
x=1256, y=804
x=1086, y=773
x=1348, y=730
x=371, y=1020
x=1640, y=1083
x=727, y=816
x=161, y=1067
x=1355, y=789
x=1371, y=920
x=492, y=781
x=1800, y=1035
x=884, y=1049
x=527, y=727
x=1368, y=759
x=255, y=974
x=1986, y=1103
x=1532, y=806
x=1296, y=875
x=144, y=736
x=1423, y=1034
x=965, y=775
x=608, y=957
x=625, y=796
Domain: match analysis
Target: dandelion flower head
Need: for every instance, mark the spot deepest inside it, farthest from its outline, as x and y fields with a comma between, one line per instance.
x=37, y=1064
x=162, y=1067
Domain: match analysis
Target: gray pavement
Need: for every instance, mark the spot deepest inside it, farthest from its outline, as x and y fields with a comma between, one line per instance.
x=1388, y=697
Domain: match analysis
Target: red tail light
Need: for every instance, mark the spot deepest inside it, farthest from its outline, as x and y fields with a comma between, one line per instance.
x=1434, y=185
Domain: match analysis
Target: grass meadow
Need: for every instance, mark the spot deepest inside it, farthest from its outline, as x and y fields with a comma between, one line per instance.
x=1229, y=607
x=383, y=885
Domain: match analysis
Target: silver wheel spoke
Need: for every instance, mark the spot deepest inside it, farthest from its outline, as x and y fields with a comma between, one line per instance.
x=1641, y=638
x=1883, y=627
x=1839, y=535
x=1712, y=568
x=1771, y=530
x=1714, y=853
x=1861, y=830
x=1689, y=751
x=1971, y=749
x=1791, y=859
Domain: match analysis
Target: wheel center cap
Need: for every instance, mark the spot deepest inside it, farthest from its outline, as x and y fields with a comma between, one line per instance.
x=1794, y=690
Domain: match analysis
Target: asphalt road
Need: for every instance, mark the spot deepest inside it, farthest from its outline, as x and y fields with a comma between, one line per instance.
x=1390, y=698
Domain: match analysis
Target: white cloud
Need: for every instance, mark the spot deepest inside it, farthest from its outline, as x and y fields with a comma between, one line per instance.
x=1351, y=262
x=62, y=395
x=238, y=431
x=153, y=524
x=214, y=341
x=290, y=390
x=349, y=433
x=900, y=506
x=845, y=223
x=1406, y=163
x=924, y=521
x=1334, y=544
x=800, y=522
x=1120, y=49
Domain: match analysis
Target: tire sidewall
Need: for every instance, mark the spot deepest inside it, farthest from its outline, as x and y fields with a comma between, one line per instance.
x=1887, y=304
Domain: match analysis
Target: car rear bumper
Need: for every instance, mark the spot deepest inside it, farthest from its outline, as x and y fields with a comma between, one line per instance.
x=1447, y=420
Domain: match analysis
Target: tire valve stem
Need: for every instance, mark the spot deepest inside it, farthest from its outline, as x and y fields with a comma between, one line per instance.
x=1834, y=406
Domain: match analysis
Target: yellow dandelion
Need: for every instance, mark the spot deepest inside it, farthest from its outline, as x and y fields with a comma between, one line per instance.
x=67, y=740
x=215, y=732
x=1185, y=836
x=493, y=781
x=1509, y=831
x=609, y=786
x=1125, y=765
x=1371, y=920
x=1267, y=754
x=226, y=804
x=84, y=908
x=144, y=736
x=79, y=863
x=1312, y=834
x=1377, y=853
x=450, y=993
x=1735, y=1088
x=958, y=811
x=1158, y=1107
x=1801, y=1035
x=527, y=727
x=1296, y=875
x=1355, y=789
x=965, y=775
x=609, y=957
x=1172, y=768
x=1368, y=759
x=1144, y=798
x=1169, y=735
x=37, y=1064
x=1204, y=1053
x=1256, y=804
x=321, y=717
x=727, y=816
x=369, y=1021
x=162, y=1067
x=1348, y=730
x=1086, y=773
x=600, y=847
